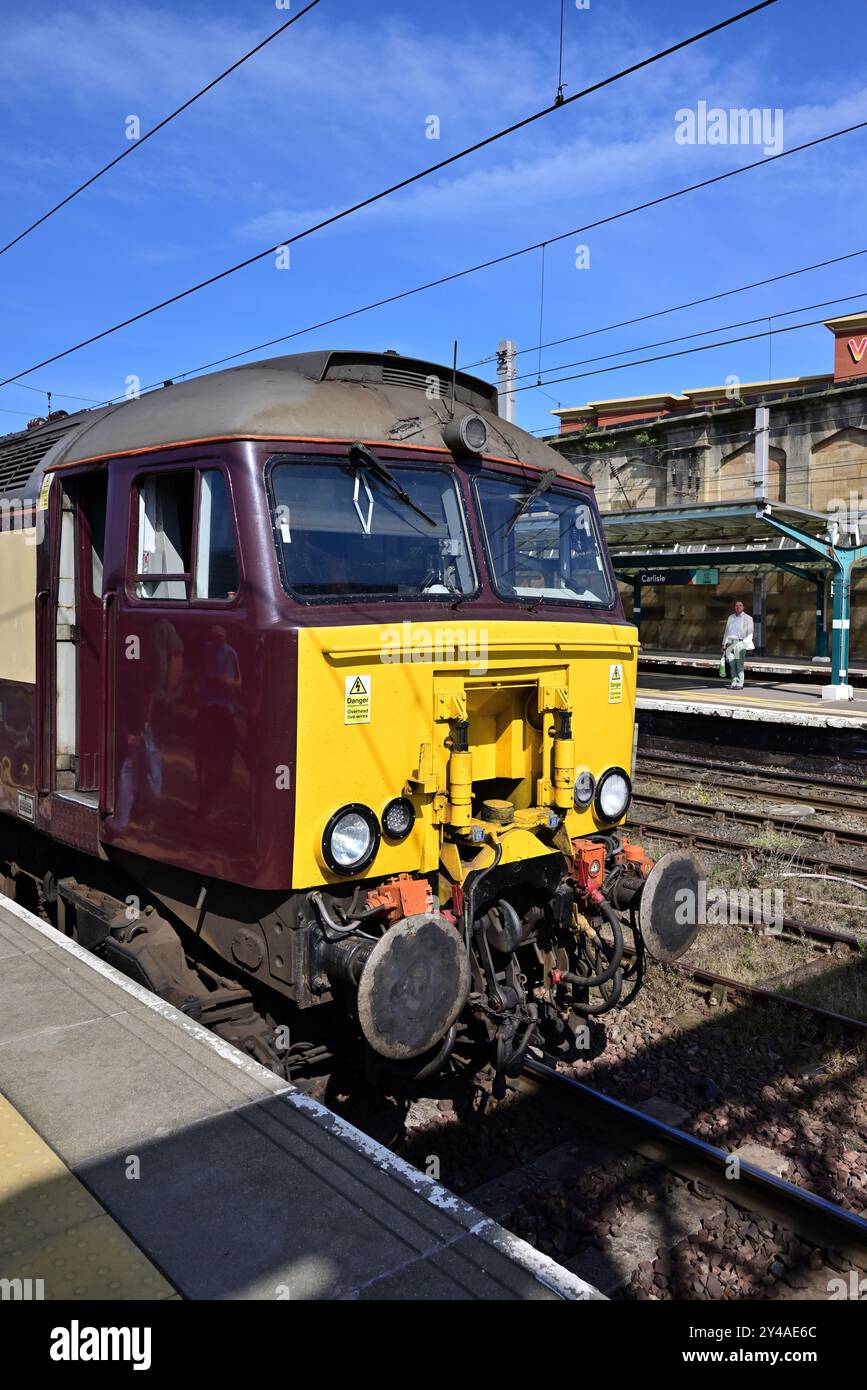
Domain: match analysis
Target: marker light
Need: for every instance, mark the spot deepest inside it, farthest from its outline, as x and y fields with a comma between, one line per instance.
x=398, y=818
x=585, y=786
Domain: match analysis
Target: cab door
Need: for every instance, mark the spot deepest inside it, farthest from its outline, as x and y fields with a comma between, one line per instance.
x=77, y=637
x=177, y=716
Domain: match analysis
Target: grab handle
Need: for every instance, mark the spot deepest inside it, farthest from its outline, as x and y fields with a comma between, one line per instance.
x=106, y=712
x=44, y=668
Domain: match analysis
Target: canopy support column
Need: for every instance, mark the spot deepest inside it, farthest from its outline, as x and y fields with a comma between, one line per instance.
x=636, y=603
x=842, y=560
x=821, y=618
x=635, y=581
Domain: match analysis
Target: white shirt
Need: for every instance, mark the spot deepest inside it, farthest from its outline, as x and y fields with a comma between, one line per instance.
x=739, y=628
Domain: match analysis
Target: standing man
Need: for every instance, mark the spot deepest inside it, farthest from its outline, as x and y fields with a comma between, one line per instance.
x=737, y=639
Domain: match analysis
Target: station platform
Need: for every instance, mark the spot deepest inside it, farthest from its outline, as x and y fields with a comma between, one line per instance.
x=142, y=1157
x=789, y=668
x=766, y=701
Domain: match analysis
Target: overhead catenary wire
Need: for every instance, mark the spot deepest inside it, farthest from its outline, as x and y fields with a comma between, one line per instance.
x=554, y=527
x=662, y=357
x=408, y=182
x=61, y=395
x=525, y=251
x=702, y=333
x=537, y=384
x=673, y=308
x=161, y=125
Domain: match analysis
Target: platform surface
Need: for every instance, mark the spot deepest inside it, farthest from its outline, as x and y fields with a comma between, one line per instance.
x=772, y=701
x=767, y=667
x=143, y=1157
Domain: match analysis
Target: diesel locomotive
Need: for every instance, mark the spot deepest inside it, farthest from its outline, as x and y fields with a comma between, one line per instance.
x=316, y=688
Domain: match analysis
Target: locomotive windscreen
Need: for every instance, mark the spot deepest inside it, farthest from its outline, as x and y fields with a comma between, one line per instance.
x=547, y=549
x=341, y=530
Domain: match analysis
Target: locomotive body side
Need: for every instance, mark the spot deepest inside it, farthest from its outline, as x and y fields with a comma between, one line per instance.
x=18, y=550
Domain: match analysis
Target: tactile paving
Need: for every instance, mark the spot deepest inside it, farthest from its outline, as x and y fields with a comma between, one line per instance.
x=54, y=1234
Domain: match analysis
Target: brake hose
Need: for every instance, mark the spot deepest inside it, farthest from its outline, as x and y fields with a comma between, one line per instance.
x=594, y=981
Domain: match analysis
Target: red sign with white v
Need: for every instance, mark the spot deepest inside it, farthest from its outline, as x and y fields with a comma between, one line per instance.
x=857, y=347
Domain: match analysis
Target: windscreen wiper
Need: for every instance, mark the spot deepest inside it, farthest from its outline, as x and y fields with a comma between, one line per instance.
x=526, y=502
x=360, y=456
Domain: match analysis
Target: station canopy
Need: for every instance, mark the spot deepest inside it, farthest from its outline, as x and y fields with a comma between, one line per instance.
x=734, y=534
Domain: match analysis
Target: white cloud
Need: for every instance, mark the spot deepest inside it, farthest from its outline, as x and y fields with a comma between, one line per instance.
x=571, y=173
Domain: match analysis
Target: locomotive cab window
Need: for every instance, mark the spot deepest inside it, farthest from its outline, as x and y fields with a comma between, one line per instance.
x=216, y=558
x=544, y=547
x=185, y=543
x=345, y=531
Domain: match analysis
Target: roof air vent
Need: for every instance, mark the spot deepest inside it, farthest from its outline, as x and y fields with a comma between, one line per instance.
x=21, y=455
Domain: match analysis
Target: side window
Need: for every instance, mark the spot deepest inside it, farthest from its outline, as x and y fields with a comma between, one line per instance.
x=185, y=546
x=89, y=494
x=97, y=541
x=216, y=560
x=165, y=535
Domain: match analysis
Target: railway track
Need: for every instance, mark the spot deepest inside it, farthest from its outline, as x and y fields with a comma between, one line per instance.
x=701, y=838
x=833, y=805
x=828, y=937
x=742, y=815
x=812, y=1218
x=777, y=776
x=761, y=993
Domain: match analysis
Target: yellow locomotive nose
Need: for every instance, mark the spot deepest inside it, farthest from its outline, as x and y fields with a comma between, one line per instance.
x=450, y=717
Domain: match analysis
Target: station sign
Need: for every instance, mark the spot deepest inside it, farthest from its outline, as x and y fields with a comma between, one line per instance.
x=701, y=576
x=857, y=347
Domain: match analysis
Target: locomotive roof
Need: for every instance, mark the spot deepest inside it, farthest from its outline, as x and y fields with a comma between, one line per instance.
x=313, y=395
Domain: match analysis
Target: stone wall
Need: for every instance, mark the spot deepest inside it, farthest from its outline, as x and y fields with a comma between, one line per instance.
x=818, y=459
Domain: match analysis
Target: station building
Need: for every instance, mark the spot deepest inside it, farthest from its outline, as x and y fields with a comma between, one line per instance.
x=697, y=450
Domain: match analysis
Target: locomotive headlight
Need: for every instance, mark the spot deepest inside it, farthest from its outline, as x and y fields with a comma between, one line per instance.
x=351, y=839
x=466, y=434
x=585, y=786
x=398, y=818
x=613, y=794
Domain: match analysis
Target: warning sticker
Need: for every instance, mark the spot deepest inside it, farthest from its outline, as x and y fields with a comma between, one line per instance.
x=44, y=491
x=615, y=684
x=356, y=707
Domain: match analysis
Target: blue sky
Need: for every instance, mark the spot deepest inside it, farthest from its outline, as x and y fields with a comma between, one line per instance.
x=336, y=108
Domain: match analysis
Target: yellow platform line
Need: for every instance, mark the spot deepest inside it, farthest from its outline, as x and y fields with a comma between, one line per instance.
x=55, y=1238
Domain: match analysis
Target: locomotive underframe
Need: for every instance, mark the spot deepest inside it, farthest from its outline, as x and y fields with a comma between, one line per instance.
x=530, y=931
